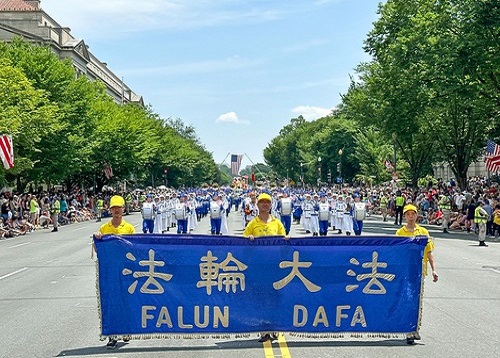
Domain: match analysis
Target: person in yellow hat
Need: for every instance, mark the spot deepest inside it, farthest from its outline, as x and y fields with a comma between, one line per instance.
x=117, y=226
x=264, y=224
x=412, y=229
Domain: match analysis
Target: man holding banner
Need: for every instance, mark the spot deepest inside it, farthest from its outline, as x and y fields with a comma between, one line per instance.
x=265, y=225
x=412, y=229
x=116, y=226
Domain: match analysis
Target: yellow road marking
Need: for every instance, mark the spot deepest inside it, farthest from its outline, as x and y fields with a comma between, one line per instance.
x=285, y=353
x=268, y=349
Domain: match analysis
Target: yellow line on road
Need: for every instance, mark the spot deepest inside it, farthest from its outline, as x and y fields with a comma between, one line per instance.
x=268, y=349
x=285, y=353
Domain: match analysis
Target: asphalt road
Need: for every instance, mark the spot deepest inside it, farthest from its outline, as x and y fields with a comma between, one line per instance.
x=48, y=305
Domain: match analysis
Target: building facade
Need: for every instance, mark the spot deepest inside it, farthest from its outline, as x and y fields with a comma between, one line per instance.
x=26, y=19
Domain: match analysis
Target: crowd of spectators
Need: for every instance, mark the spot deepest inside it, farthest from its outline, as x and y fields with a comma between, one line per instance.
x=463, y=202
x=24, y=213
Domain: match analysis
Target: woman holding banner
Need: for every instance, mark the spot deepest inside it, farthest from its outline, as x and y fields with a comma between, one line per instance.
x=412, y=229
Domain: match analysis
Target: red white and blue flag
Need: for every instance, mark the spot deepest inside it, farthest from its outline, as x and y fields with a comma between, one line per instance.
x=7, y=151
x=492, y=156
x=236, y=163
x=108, y=171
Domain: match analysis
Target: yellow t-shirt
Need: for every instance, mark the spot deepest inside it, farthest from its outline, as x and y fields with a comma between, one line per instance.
x=496, y=216
x=123, y=228
x=257, y=227
x=419, y=231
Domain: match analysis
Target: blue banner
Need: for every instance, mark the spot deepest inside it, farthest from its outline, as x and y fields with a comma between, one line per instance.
x=166, y=284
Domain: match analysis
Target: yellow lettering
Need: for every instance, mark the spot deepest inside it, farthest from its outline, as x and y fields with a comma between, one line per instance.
x=206, y=317
x=359, y=317
x=341, y=315
x=164, y=318
x=321, y=317
x=222, y=318
x=296, y=310
x=145, y=316
x=180, y=318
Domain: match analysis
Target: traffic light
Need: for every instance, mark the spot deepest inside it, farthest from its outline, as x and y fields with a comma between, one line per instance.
x=338, y=167
x=329, y=176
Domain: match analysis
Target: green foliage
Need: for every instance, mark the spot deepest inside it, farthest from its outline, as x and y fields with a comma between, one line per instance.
x=66, y=129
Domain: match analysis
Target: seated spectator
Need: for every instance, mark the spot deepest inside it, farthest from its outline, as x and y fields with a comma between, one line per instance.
x=45, y=220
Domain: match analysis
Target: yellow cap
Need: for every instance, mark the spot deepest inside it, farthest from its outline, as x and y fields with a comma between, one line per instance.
x=116, y=200
x=264, y=196
x=409, y=207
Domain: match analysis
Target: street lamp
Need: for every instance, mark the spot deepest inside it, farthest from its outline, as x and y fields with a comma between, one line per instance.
x=319, y=171
x=340, y=163
x=302, y=175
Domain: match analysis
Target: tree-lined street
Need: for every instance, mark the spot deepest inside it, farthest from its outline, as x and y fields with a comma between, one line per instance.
x=49, y=305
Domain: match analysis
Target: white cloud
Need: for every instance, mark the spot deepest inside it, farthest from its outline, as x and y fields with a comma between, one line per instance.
x=311, y=113
x=230, y=117
x=113, y=18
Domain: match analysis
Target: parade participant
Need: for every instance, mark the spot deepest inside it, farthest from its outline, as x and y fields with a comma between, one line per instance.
x=264, y=224
x=347, y=222
x=307, y=209
x=161, y=217
x=384, y=203
x=297, y=209
x=192, y=221
x=314, y=216
x=444, y=204
x=480, y=219
x=148, y=214
x=181, y=212
x=99, y=208
x=216, y=213
x=55, y=209
x=359, y=214
x=169, y=209
x=174, y=201
x=340, y=208
x=285, y=208
x=323, y=208
x=333, y=211
x=250, y=208
x=116, y=226
x=226, y=205
x=412, y=229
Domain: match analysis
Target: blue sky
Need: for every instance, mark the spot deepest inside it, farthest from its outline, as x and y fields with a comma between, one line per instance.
x=237, y=71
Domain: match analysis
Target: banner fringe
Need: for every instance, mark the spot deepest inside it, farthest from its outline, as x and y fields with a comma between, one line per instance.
x=357, y=335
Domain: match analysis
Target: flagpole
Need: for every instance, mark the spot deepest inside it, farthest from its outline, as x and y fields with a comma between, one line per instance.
x=227, y=155
x=246, y=155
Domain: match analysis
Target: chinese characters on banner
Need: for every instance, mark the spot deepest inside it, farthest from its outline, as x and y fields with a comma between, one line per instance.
x=161, y=284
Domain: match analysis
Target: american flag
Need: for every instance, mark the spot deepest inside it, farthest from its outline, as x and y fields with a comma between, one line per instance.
x=236, y=163
x=7, y=151
x=108, y=171
x=492, y=156
x=388, y=165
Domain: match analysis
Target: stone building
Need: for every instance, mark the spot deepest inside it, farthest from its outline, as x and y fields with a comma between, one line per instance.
x=26, y=19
